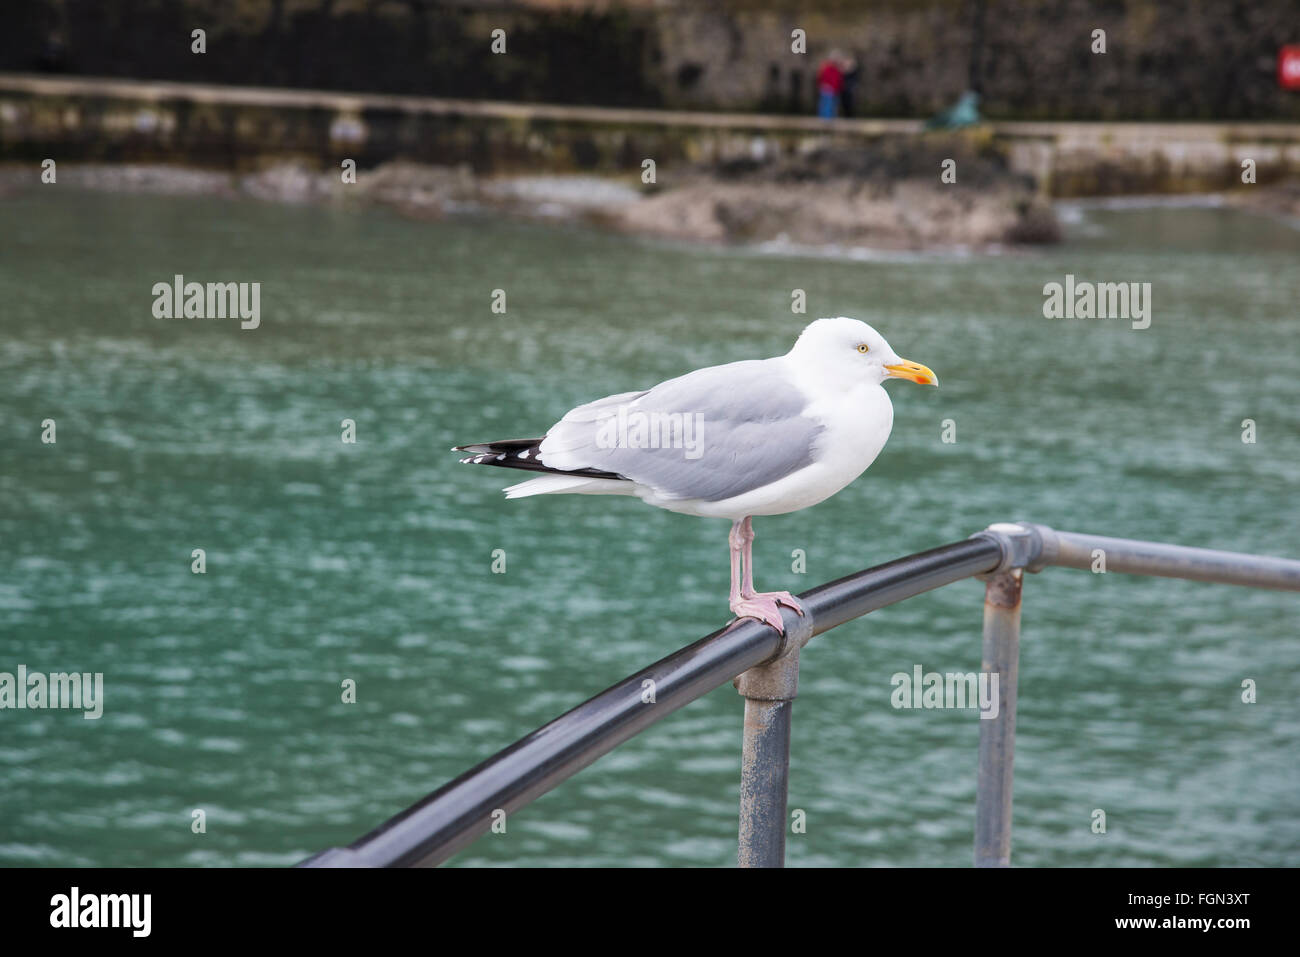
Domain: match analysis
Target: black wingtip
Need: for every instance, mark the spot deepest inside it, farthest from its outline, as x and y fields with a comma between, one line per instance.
x=520, y=454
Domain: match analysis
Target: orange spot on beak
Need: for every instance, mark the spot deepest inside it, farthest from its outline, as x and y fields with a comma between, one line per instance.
x=912, y=372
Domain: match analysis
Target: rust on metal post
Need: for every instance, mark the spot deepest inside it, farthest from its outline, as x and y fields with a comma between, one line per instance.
x=1003, y=591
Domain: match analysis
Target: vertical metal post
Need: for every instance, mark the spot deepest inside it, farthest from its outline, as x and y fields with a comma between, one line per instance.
x=769, y=692
x=998, y=735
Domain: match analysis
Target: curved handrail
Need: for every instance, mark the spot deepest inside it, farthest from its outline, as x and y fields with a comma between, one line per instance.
x=453, y=816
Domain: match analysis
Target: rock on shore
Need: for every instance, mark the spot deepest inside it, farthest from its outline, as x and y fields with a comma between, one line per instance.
x=880, y=198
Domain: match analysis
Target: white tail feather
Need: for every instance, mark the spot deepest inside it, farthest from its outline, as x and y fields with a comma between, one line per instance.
x=552, y=484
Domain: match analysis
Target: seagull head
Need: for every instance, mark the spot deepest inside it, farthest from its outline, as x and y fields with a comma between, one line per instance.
x=849, y=350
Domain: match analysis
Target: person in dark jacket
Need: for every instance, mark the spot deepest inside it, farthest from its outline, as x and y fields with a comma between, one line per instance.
x=849, y=87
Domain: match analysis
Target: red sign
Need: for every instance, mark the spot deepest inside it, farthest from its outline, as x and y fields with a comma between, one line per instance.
x=1288, y=68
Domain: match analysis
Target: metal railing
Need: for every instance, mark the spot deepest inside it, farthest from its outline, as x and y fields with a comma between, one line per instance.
x=765, y=667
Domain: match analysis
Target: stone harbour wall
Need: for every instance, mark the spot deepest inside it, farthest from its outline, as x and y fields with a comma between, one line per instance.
x=1211, y=60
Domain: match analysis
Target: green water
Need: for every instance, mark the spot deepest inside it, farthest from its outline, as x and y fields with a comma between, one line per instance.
x=373, y=561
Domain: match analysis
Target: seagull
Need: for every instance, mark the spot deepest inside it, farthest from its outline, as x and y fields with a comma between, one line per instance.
x=756, y=437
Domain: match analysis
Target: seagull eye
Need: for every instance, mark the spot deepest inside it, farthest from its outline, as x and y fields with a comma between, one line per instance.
x=862, y=347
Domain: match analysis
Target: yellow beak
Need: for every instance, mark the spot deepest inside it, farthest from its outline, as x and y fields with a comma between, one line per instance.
x=912, y=372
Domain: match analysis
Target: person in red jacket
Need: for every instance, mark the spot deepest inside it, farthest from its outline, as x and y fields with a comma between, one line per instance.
x=830, y=83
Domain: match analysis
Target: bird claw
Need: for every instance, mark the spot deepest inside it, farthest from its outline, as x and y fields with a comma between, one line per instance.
x=784, y=598
x=766, y=607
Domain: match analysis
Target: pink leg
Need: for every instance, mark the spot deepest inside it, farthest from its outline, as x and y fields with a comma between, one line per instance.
x=745, y=601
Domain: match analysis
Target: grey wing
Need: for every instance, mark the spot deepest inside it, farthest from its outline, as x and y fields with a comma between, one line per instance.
x=711, y=434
